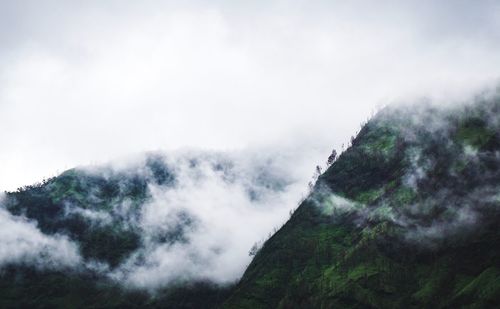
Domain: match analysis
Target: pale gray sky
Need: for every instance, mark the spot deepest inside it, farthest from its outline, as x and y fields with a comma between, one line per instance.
x=89, y=81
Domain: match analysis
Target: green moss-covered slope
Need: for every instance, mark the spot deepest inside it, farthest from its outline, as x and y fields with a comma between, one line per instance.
x=407, y=217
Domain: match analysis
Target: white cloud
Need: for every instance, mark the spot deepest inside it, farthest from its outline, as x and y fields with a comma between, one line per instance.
x=98, y=217
x=215, y=216
x=201, y=226
x=82, y=83
x=21, y=242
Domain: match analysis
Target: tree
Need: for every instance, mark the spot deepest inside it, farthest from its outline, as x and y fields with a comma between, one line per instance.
x=332, y=158
x=254, y=250
x=311, y=185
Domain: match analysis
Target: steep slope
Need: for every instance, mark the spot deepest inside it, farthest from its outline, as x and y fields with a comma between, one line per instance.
x=406, y=217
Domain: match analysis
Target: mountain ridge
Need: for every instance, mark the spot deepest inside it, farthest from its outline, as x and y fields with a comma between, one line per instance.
x=406, y=216
x=387, y=225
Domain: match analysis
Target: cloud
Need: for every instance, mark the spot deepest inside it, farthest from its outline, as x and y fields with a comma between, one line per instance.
x=83, y=83
x=449, y=186
x=86, y=83
x=203, y=227
x=98, y=217
x=22, y=243
x=197, y=223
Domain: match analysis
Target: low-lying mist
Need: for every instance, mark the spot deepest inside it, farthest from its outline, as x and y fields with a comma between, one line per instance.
x=436, y=171
x=196, y=214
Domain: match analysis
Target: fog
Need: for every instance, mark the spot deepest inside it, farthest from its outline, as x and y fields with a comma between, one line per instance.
x=21, y=242
x=204, y=226
x=269, y=87
x=441, y=206
x=88, y=82
x=198, y=225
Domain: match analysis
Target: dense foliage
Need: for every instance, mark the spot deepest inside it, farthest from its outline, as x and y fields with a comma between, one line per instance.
x=59, y=205
x=406, y=217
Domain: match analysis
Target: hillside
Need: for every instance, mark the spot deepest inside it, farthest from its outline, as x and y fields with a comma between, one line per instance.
x=149, y=232
x=406, y=217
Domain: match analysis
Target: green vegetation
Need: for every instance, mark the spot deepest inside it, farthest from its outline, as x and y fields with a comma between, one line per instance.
x=28, y=288
x=402, y=167
x=58, y=206
x=407, y=217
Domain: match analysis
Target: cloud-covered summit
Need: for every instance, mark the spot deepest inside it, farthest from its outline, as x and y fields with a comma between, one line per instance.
x=431, y=171
x=157, y=219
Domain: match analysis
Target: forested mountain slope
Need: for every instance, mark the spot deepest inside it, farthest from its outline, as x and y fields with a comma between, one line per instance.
x=150, y=232
x=406, y=217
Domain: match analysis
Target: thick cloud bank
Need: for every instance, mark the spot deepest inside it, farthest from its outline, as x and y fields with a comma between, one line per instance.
x=88, y=81
x=203, y=227
x=195, y=214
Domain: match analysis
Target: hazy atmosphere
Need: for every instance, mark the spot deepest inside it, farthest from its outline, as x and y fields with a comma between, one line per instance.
x=87, y=82
x=250, y=155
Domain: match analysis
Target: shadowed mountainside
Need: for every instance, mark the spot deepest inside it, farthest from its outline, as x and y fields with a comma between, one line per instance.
x=406, y=217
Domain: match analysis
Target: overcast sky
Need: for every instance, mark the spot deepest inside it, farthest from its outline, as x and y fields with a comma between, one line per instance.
x=89, y=81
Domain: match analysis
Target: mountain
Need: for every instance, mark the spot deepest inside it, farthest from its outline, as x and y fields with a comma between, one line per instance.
x=149, y=232
x=406, y=217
